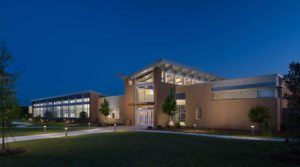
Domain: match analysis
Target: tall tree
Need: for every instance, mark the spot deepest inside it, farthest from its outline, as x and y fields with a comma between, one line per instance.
x=8, y=101
x=170, y=106
x=292, y=80
x=104, y=108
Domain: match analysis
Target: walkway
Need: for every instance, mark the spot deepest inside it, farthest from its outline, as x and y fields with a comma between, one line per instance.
x=274, y=139
x=134, y=129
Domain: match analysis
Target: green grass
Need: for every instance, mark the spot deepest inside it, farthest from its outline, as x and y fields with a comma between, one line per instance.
x=242, y=133
x=40, y=130
x=143, y=149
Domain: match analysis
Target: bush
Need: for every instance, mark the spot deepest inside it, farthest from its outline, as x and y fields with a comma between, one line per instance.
x=37, y=118
x=82, y=115
x=159, y=127
x=48, y=115
x=27, y=116
x=177, y=125
x=149, y=127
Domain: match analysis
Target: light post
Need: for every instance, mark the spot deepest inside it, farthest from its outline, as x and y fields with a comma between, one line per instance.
x=195, y=126
x=89, y=125
x=115, y=127
x=45, y=128
x=252, y=127
x=66, y=131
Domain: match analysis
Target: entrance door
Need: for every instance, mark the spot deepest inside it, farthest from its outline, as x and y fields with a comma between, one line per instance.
x=144, y=117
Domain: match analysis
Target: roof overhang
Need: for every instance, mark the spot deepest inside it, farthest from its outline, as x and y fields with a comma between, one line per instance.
x=179, y=69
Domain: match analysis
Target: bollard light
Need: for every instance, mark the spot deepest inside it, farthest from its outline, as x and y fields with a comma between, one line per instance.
x=252, y=127
x=195, y=126
x=115, y=127
x=66, y=131
x=89, y=125
x=45, y=128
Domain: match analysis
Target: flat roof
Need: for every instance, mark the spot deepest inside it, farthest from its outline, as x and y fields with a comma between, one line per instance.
x=66, y=95
x=170, y=66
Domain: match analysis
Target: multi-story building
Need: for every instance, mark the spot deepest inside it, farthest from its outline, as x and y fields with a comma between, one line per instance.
x=68, y=105
x=204, y=99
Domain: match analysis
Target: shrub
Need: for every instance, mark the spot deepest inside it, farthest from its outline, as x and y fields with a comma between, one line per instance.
x=83, y=115
x=37, y=118
x=177, y=125
x=259, y=114
x=48, y=115
x=159, y=127
x=149, y=127
x=27, y=116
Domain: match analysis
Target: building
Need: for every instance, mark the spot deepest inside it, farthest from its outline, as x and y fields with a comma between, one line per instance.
x=68, y=106
x=204, y=99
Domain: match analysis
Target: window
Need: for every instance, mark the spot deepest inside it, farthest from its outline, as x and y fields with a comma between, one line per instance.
x=180, y=116
x=266, y=93
x=86, y=99
x=198, y=113
x=78, y=100
x=114, y=113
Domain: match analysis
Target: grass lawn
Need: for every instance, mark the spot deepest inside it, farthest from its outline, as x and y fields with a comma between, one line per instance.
x=40, y=130
x=234, y=132
x=144, y=149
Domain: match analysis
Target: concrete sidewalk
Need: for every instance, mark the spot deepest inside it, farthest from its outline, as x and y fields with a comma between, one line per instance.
x=56, y=135
x=134, y=129
x=273, y=139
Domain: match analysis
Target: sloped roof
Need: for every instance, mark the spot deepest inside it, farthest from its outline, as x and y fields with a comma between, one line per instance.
x=170, y=66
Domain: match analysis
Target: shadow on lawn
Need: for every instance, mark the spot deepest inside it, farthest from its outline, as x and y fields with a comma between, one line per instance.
x=11, y=151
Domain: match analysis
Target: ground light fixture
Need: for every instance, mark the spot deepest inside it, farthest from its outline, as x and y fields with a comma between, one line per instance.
x=252, y=128
x=45, y=128
x=66, y=131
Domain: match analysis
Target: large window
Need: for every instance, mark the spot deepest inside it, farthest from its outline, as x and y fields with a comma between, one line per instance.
x=114, y=113
x=145, y=94
x=244, y=94
x=198, y=112
x=180, y=116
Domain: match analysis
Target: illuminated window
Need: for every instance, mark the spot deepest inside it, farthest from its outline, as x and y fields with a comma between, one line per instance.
x=198, y=113
x=180, y=116
x=114, y=113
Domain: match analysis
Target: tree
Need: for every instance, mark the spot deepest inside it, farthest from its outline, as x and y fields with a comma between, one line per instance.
x=259, y=114
x=83, y=115
x=292, y=80
x=8, y=102
x=104, y=108
x=170, y=106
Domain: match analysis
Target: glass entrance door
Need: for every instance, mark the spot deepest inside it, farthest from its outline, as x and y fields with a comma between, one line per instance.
x=144, y=117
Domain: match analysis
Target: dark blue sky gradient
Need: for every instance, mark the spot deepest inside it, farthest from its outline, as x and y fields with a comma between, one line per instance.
x=68, y=46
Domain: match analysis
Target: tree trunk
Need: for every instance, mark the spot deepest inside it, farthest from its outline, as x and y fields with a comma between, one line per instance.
x=171, y=122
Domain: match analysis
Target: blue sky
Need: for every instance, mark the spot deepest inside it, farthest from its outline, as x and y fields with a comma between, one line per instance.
x=68, y=46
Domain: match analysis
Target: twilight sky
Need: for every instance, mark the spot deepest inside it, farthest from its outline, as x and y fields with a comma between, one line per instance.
x=68, y=46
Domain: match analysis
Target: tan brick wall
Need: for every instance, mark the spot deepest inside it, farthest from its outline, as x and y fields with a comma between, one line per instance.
x=161, y=91
x=223, y=114
x=128, y=113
